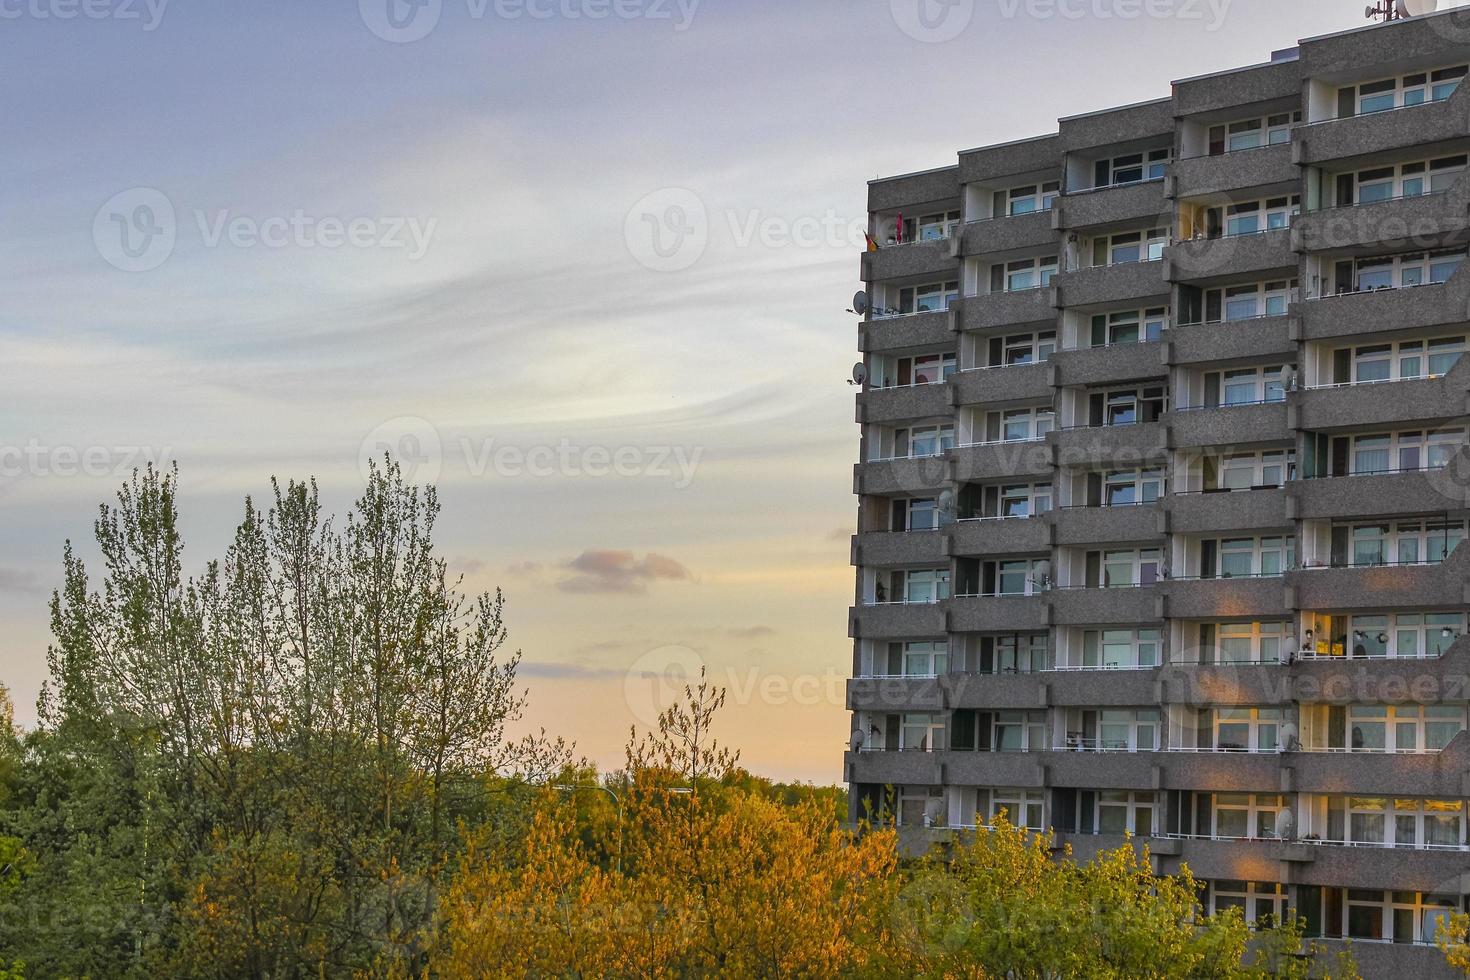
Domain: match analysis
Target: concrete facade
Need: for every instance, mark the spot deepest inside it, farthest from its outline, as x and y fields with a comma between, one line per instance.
x=1085, y=452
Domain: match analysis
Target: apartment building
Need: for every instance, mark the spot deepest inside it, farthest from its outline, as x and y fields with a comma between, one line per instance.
x=1162, y=488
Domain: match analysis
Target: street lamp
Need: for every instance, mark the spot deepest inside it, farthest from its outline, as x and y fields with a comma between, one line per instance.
x=617, y=801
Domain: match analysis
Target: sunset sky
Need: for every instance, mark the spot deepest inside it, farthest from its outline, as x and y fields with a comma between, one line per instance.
x=441, y=245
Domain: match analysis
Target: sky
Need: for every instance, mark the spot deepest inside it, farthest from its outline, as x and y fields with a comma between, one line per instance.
x=582, y=263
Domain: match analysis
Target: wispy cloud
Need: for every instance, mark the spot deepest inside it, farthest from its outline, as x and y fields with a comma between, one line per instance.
x=620, y=573
x=751, y=632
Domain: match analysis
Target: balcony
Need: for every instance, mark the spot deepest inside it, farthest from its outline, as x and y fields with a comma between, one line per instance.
x=1095, y=446
x=996, y=614
x=1102, y=688
x=1429, y=774
x=1102, y=770
x=1256, y=684
x=1113, y=284
x=896, y=621
x=1384, y=132
x=1384, y=678
x=1004, y=386
x=898, y=404
x=929, y=258
x=1225, y=598
x=1109, y=525
x=909, y=477
x=1220, y=342
x=900, y=333
x=1228, y=425
x=1208, y=260
x=1383, y=310
x=1253, y=860
x=1426, y=220
x=1441, y=585
x=1209, y=771
x=1419, y=401
x=1024, y=307
x=1202, y=513
x=996, y=691
x=1009, y=233
x=1109, y=365
x=959, y=768
x=895, y=694
x=1111, y=207
x=1265, y=166
x=899, y=548
x=1377, y=495
x=1011, y=536
x=893, y=768
x=1104, y=607
x=1001, y=460
x=1399, y=869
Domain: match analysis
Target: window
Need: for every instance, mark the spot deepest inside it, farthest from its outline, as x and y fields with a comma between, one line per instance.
x=1121, y=649
x=1404, y=452
x=1132, y=487
x=1018, y=731
x=1247, y=386
x=1394, y=916
x=1122, y=812
x=1128, y=730
x=1401, y=180
x=1026, y=424
x=1028, y=199
x=1262, y=903
x=1022, y=807
x=934, y=227
x=1234, y=303
x=1015, y=577
x=928, y=299
x=1026, y=274
x=1250, y=816
x=1246, y=729
x=1028, y=348
x=1248, y=471
x=1020, y=654
x=925, y=586
x=1404, y=271
x=922, y=733
x=1131, y=168
x=1254, y=217
x=926, y=369
x=1025, y=500
x=1403, y=635
x=1400, y=93
x=1404, y=361
x=1130, y=406
x=1129, y=327
x=1129, y=247
x=1244, y=643
x=928, y=658
x=1132, y=568
x=1400, y=543
x=919, y=514
x=1402, y=728
x=1248, y=134
x=925, y=440
x=1408, y=823
x=1247, y=557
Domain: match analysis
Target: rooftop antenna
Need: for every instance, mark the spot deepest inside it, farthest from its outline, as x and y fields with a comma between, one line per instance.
x=1391, y=10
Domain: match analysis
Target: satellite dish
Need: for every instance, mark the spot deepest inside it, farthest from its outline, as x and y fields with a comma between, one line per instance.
x=1043, y=569
x=946, y=504
x=859, y=373
x=860, y=303
x=1417, y=8
x=855, y=743
x=1284, y=824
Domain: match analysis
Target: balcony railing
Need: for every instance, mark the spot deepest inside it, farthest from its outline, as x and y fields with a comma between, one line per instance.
x=1377, y=844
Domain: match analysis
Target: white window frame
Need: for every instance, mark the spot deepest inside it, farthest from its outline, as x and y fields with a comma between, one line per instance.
x=1134, y=805
x=1137, y=561
x=1268, y=298
x=1037, y=272
x=1407, y=452
x=941, y=436
x=1270, y=556
x=1031, y=198
x=1023, y=807
x=921, y=732
x=933, y=654
x=1146, y=486
x=1036, y=496
x=1250, y=898
x=1265, y=641
x=1257, y=464
x=1260, y=811
x=1037, y=422
x=1262, y=728
x=1140, y=649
